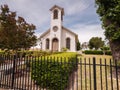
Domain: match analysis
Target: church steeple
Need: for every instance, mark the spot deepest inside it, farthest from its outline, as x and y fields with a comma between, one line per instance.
x=56, y=18
x=58, y=12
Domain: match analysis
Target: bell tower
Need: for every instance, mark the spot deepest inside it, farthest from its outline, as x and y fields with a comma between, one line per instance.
x=56, y=25
x=56, y=17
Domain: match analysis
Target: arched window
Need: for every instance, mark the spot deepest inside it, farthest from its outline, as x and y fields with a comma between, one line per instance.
x=68, y=43
x=55, y=14
x=47, y=43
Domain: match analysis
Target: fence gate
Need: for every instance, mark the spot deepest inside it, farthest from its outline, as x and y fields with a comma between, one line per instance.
x=91, y=74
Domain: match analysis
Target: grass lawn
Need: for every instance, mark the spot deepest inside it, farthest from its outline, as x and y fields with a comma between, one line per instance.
x=103, y=76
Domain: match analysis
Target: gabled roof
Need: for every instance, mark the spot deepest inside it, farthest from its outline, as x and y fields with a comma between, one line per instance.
x=56, y=6
x=44, y=33
x=69, y=31
x=48, y=31
x=76, y=36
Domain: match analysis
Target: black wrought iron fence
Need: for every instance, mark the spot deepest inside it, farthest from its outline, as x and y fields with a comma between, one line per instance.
x=98, y=74
x=50, y=73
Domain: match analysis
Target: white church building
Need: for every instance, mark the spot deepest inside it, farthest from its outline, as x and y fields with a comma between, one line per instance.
x=57, y=36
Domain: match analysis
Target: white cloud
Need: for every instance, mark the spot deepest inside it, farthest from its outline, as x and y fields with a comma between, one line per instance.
x=37, y=12
x=32, y=11
x=85, y=32
x=78, y=6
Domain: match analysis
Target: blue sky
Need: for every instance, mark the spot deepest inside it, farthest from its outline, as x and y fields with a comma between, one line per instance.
x=80, y=15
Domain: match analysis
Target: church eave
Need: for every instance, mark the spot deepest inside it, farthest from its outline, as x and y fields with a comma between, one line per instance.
x=42, y=35
x=69, y=31
x=76, y=35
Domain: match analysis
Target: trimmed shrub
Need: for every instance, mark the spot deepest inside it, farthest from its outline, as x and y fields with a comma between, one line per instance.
x=53, y=73
x=1, y=52
x=108, y=53
x=96, y=52
x=93, y=52
x=64, y=49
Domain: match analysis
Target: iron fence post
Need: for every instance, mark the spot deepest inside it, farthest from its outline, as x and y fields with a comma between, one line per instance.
x=13, y=72
x=94, y=73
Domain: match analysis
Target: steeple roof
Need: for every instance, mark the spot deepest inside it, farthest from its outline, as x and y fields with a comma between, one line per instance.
x=56, y=6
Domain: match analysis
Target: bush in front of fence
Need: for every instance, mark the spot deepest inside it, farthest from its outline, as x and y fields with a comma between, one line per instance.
x=97, y=52
x=53, y=73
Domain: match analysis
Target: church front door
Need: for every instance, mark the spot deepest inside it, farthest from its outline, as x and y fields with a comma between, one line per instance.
x=55, y=44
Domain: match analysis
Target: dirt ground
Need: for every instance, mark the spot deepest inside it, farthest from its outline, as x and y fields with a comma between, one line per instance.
x=5, y=89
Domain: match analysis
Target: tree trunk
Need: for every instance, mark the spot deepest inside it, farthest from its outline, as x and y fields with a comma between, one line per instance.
x=115, y=48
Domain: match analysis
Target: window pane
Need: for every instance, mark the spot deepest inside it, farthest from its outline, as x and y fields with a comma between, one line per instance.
x=68, y=43
x=55, y=14
x=47, y=43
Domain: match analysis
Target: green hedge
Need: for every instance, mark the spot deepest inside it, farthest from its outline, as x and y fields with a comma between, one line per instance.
x=97, y=52
x=1, y=52
x=30, y=53
x=26, y=53
x=53, y=73
x=108, y=53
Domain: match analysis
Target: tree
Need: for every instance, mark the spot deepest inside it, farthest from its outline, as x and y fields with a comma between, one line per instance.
x=15, y=32
x=105, y=49
x=96, y=42
x=109, y=11
x=78, y=46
